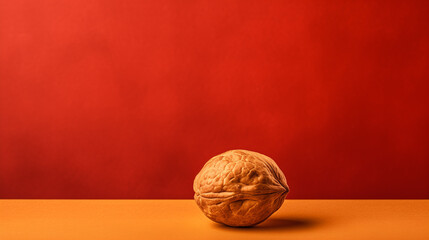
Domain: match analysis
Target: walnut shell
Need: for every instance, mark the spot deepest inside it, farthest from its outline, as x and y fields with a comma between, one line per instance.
x=240, y=188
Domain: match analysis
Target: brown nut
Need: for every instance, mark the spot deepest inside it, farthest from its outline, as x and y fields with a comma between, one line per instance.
x=240, y=188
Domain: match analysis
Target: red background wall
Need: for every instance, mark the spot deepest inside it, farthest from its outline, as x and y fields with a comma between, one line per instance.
x=128, y=99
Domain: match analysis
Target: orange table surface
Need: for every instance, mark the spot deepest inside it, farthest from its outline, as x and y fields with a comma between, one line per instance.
x=182, y=219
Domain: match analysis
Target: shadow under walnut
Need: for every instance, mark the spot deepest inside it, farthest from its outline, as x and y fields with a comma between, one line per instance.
x=276, y=224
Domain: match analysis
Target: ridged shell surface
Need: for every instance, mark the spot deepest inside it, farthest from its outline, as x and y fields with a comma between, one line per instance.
x=240, y=188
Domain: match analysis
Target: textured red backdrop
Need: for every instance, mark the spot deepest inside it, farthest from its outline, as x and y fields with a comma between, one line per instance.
x=128, y=99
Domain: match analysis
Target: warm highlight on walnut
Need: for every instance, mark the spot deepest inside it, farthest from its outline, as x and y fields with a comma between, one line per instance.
x=240, y=188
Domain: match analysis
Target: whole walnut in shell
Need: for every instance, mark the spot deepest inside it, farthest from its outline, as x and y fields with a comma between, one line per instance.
x=240, y=188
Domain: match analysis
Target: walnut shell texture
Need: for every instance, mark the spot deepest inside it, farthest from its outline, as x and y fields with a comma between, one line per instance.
x=240, y=188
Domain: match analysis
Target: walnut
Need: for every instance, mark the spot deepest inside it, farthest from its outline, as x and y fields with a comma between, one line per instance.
x=240, y=188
